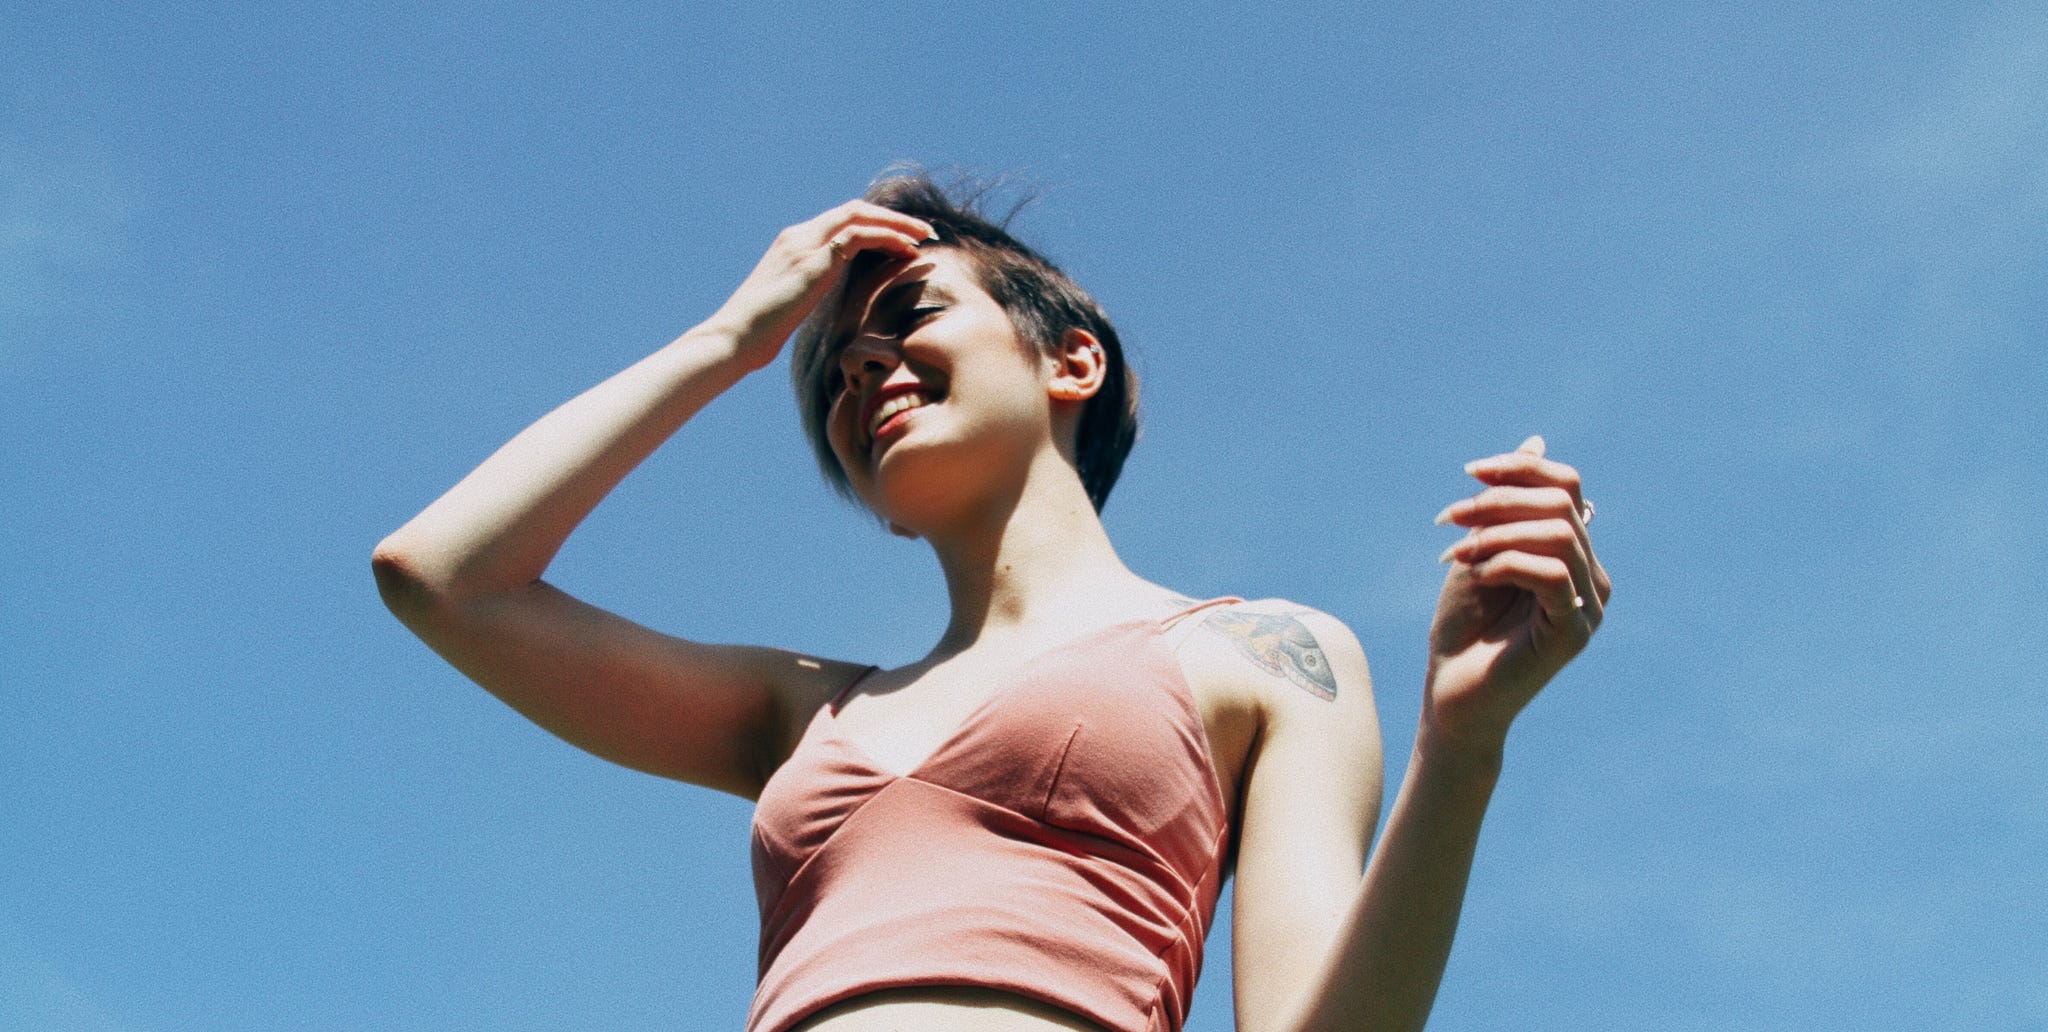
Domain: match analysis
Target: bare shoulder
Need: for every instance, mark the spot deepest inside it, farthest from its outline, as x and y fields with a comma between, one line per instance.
x=1273, y=648
x=1311, y=790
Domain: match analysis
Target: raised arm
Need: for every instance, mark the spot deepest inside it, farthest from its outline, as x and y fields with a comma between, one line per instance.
x=1319, y=949
x=465, y=574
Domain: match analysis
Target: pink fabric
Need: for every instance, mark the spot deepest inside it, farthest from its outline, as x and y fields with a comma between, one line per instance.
x=1065, y=844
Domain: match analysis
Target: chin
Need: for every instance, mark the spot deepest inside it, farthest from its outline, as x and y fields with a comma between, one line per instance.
x=928, y=485
x=915, y=494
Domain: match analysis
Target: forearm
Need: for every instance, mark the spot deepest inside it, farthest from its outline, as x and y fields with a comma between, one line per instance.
x=503, y=523
x=1389, y=955
x=1523, y=596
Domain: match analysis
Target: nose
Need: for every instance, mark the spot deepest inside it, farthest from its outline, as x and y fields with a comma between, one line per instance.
x=868, y=361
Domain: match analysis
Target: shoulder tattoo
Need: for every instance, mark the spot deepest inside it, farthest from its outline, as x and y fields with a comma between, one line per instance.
x=1281, y=646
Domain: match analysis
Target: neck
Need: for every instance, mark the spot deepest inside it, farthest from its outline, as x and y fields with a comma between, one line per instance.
x=1040, y=558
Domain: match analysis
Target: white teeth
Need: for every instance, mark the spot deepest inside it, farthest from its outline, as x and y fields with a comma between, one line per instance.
x=899, y=403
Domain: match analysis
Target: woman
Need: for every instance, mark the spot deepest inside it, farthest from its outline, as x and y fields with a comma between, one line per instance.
x=1026, y=829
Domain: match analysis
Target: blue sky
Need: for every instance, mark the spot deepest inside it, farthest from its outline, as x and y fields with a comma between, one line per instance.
x=273, y=276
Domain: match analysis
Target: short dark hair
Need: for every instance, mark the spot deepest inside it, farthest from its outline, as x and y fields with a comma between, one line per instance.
x=1042, y=303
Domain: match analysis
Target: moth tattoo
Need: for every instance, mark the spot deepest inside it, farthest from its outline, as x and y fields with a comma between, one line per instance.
x=1280, y=645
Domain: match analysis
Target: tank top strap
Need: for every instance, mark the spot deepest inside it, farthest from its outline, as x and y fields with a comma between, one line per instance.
x=1176, y=628
x=851, y=682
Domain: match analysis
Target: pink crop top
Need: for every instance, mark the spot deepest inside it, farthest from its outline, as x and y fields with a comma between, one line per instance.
x=1065, y=844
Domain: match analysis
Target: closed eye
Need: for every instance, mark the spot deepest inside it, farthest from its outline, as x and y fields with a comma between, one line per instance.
x=911, y=317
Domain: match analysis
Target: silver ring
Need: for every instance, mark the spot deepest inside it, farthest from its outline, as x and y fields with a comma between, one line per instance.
x=838, y=248
x=1586, y=511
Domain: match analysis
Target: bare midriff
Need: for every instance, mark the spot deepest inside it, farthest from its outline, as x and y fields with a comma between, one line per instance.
x=962, y=1009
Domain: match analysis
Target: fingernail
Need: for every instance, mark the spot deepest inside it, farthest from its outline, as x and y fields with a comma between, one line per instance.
x=1444, y=517
x=1476, y=465
x=1449, y=554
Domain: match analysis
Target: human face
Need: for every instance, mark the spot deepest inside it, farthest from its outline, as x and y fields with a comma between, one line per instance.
x=933, y=388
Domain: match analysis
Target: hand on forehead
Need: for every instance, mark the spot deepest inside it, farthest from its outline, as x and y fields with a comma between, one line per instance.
x=867, y=281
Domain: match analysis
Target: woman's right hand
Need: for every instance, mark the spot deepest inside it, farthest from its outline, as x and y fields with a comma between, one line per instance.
x=466, y=573
x=801, y=267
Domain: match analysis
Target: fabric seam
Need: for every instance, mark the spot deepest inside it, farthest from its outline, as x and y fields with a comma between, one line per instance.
x=1058, y=769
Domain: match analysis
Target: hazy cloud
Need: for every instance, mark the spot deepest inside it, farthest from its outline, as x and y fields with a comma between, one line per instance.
x=65, y=211
x=1984, y=126
x=35, y=995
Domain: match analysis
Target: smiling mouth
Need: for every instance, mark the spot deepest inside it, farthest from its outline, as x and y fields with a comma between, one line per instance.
x=890, y=412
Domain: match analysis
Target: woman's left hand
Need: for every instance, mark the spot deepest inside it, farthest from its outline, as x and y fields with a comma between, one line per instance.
x=1524, y=595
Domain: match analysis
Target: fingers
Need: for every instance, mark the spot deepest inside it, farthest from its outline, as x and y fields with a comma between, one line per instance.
x=1556, y=539
x=1501, y=504
x=1527, y=525
x=856, y=238
x=857, y=210
x=1549, y=581
x=858, y=226
x=1525, y=468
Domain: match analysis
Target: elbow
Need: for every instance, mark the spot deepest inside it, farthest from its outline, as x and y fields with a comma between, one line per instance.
x=423, y=585
x=401, y=581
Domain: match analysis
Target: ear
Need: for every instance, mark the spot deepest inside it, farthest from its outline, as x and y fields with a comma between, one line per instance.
x=1079, y=367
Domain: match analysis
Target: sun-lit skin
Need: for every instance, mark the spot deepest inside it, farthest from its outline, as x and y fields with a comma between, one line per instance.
x=952, y=428
x=992, y=412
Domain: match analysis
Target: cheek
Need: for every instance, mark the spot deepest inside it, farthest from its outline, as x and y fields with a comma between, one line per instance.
x=1014, y=384
x=839, y=432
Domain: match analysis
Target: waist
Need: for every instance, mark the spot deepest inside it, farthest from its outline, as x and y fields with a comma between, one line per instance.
x=944, y=1009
